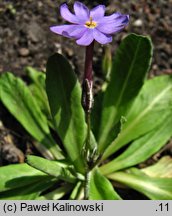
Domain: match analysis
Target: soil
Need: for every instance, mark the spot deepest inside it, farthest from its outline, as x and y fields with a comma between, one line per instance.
x=25, y=40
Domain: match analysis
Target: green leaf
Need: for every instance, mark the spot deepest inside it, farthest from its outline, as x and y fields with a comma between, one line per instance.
x=107, y=62
x=95, y=119
x=57, y=169
x=96, y=112
x=31, y=192
x=18, y=99
x=142, y=148
x=154, y=188
x=131, y=64
x=150, y=109
x=77, y=191
x=163, y=168
x=56, y=194
x=100, y=187
x=18, y=175
x=37, y=87
x=64, y=94
x=37, y=77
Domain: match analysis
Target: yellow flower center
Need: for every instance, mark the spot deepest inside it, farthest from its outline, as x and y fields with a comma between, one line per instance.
x=90, y=23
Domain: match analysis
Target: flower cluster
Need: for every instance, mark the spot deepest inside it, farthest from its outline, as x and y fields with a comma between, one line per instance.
x=89, y=25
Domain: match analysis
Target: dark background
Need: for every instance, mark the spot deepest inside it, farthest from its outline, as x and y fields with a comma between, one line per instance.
x=25, y=38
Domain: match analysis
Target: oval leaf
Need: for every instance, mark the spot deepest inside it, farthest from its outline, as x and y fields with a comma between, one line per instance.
x=142, y=148
x=150, y=109
x=18, y=99
x=56, y=194
x=163, y=168
x=53, y=168
x=64, y=94
x=31, y=192
x=18, y=175
x=131, y=64
x=37, y=87
x=100, y=187
x=154, y=188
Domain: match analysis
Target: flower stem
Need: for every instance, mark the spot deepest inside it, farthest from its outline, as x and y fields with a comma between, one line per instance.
x=87, y=102
x=86, y=185
x=88, y=73
x=87, y=86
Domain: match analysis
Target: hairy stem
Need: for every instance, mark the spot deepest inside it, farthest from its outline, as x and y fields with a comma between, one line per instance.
x=86, y=185
x=88, y=73
x=87, y=85
x=87, y=102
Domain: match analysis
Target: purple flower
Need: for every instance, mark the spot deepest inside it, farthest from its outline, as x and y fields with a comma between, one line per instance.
x=88, y=26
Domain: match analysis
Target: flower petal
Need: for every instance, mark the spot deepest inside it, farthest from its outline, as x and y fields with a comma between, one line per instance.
x=113, y=25
x=81, y=11
x=86, y=39
x=67, y=15
x=76, y=32
x=63, y=28
x=109, y=18
x=97, y=12
x=70, y=31
x=101, y=38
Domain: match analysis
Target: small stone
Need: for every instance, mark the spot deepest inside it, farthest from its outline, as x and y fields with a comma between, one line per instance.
x=138, y=23
x=23, y=52
x=58, y=47
x=23, y=60
x=35, y=32
x=155, y=67
x=69, y=51
x=1, y=68
x=40, y=4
